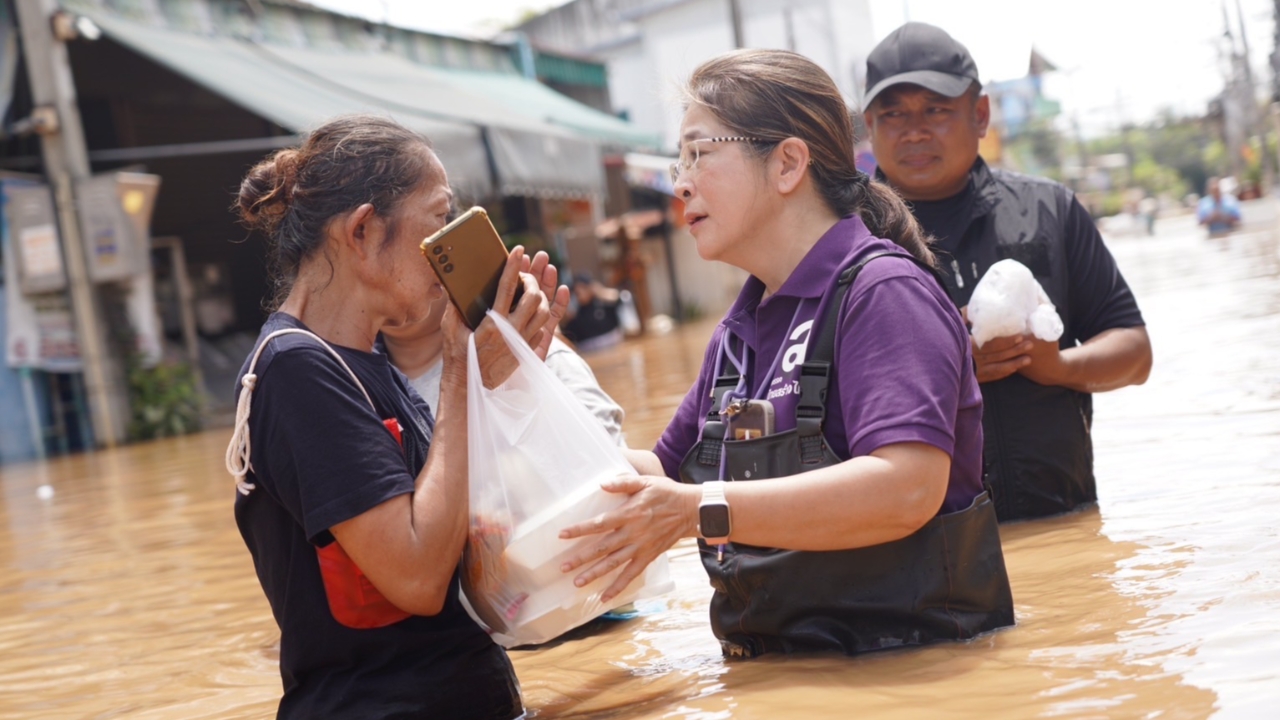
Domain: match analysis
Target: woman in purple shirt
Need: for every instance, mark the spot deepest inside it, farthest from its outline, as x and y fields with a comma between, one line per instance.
x=854, y=518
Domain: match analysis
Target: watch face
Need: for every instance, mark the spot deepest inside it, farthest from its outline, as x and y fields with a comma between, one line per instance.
x=713, y=521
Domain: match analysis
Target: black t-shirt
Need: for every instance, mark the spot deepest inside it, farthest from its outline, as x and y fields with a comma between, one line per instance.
x=1100, y=299
x=945, y=220
x=320, y=456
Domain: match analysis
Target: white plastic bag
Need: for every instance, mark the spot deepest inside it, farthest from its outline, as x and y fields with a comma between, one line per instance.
x=536, y=460
x=1009, y=301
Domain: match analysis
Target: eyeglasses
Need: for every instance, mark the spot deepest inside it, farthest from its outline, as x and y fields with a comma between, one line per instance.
x=689, y=153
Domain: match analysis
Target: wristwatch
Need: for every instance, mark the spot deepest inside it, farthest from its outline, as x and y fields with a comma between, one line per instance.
x=713, y=514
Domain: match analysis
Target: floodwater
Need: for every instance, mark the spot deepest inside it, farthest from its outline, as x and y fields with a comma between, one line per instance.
x=129, y=594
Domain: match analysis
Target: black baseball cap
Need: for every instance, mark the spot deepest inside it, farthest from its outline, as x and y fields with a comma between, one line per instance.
x=920, y=54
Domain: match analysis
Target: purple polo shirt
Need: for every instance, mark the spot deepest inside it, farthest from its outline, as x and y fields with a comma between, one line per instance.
x=903, y=369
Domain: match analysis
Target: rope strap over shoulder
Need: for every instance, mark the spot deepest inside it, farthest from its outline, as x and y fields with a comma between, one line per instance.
x=239, y=449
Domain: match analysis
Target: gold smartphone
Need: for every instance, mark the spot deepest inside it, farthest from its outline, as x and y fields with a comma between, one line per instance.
x=469, y=257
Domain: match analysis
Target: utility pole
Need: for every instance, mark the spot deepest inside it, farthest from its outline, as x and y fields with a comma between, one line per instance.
x=1234, y=121
x=1275, y=54
x=1078, y=185
x=1122, y=122
x=66, y=161
x=1254, y=114
x=735, y=19
x=789, y=24
x=1275, y=81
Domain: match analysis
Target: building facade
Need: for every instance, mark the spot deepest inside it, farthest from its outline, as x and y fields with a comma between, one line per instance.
x=651, y=46
x=194, y=92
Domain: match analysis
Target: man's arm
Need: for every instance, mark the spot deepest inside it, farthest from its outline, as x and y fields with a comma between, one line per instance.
x=1109, y=360
x=1116, y=350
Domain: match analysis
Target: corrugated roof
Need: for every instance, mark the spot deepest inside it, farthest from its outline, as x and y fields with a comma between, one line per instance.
x=298, y=67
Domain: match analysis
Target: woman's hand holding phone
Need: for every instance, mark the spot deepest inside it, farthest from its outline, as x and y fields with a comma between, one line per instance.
x=496, y=361
x=546, y=274
x=532, y=317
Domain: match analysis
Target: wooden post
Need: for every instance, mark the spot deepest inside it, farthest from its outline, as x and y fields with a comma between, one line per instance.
x=186, y=307
x=66, y=160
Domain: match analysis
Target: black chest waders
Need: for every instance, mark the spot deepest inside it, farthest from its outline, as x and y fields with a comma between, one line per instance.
x=1038, y=453
x=946, y=581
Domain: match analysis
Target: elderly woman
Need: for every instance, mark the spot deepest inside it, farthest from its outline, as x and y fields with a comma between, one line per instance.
x=353, y=500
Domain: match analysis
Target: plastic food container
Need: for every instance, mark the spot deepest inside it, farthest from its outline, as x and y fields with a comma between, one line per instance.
x=534, y=556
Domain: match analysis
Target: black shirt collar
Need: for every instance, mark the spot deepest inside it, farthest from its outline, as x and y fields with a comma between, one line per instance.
x=981, y=180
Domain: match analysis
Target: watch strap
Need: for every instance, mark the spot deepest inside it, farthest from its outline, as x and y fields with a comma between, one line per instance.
x=713, y=499
x=713, y=493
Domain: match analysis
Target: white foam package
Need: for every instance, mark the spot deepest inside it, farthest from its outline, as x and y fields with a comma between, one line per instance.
x=536, y=460
x=1008, y=301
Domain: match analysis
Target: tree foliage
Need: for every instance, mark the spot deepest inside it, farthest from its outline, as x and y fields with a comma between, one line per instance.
x=164, y=400
x=1170, y=154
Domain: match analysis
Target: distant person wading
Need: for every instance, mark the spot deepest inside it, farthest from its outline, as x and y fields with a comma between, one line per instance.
x=1217, y=211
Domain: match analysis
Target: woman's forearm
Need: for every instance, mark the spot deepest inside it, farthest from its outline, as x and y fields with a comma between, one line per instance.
x=409, y=545
x=644, y=461
x=440, y=499
x=864, y=501
x=861, y=502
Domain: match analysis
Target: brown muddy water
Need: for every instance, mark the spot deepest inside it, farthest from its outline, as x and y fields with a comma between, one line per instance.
x=129, y=594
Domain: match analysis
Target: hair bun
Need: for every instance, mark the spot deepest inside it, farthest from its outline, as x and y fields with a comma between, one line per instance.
x=267, y=191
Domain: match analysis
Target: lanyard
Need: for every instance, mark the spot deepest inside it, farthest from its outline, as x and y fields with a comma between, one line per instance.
x=740, y=362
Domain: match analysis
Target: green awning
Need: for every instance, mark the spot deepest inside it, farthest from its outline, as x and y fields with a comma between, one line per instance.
x=492, y=99
x=557, y=110
x=540, y=142
x=559, y=142
x=234, y=69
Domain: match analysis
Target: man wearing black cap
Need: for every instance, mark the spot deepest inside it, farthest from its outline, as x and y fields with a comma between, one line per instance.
x=926, y=113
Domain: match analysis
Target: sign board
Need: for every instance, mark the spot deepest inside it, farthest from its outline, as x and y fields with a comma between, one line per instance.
x=40, y=327
x=115, y=216
x=40, y=331
x=111, y=248
x=33, y=230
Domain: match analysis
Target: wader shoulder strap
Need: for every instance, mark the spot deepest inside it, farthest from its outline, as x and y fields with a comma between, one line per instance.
x=815, y=373
x=815, y=376
x=822, y=349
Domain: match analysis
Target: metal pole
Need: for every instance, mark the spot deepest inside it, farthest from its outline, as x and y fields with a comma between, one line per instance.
x=186, y=307
x=1254, y=114
x=1232, y=128
x=34, y=424
x=735, y=18
x=1275, y=121
x=66, y=160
